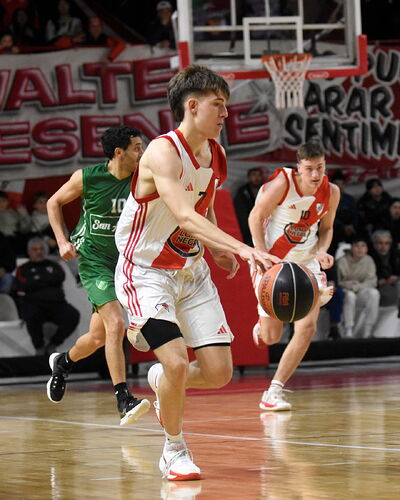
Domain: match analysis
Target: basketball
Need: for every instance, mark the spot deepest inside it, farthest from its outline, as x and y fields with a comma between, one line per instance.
x=288, y=291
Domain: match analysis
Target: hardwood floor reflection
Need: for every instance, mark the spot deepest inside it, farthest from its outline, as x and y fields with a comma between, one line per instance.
x=342, y=440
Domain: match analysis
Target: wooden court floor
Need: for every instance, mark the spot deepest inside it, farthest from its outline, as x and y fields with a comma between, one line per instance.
x=340, y=441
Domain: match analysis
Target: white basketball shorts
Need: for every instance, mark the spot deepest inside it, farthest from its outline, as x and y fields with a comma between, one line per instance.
x=186, y=297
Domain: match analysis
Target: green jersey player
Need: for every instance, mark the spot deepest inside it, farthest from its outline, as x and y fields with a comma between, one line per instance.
x=103, y=190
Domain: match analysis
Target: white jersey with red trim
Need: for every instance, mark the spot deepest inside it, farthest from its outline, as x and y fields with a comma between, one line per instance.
x=148, y=234
x=291, y=229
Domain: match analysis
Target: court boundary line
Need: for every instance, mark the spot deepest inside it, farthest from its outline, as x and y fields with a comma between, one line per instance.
x=218, y=436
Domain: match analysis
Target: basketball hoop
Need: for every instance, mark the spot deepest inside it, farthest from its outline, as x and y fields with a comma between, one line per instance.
x=288, y=72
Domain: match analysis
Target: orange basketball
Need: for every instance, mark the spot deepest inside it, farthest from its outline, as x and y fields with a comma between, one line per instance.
x=288, y=291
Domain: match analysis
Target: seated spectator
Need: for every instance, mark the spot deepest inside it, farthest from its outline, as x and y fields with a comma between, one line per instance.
x=372, y=206
x=95, y=32
x=96, y=37
x=64, y=30
x=7, y=265
x=346, y=218
x=161, y=33
x=7, y=43
x=41, y=297
x=14, y=224
x=40, y=220
x=387, y=267
x=357, y=276
x=245, y=199
x=25, y=34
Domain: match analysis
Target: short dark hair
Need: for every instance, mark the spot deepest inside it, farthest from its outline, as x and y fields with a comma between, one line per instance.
x=195, y=79
x=118, y=137
x=3, y=195
x=254, y=169
x=40, y=194
x=359, y=237
x=373, y=182
x=311, y=149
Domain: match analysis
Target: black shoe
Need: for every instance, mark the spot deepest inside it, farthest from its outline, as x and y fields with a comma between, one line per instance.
x=56, y=385
x=334, y=333
x=130, y=408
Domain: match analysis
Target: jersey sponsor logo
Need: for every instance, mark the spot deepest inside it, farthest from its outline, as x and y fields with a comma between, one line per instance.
x=319, y=207
x=101, y=285
x=296, y=233
x=183, y=243
x=103, y=225
x=293, y=207
x=189, y=187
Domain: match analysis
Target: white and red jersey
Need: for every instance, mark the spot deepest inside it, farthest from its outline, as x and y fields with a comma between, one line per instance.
x=291, y=229
x=148, y=234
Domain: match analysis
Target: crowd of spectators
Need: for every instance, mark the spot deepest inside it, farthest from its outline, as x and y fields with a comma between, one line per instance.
x=37, y=25
x=366, y=243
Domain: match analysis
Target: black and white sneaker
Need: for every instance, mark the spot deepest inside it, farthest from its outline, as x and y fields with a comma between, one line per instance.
x=131, y=408
x=56, y=386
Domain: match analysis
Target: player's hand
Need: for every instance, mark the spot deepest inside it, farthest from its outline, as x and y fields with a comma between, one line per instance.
x=326, y=261
x=67, y=250
x=226, y=261
x=258, y=258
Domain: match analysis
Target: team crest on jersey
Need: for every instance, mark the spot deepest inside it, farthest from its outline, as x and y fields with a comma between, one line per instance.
x=297, y=234
x=183, y=243
x=162, y=305
x=320, y=208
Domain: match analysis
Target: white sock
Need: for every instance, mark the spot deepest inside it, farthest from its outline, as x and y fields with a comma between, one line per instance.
x=276, y=384
x=173, y=444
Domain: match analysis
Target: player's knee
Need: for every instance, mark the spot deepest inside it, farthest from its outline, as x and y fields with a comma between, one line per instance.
x=176, y=369
x=221, y=377
x=116, y=330
x=270, y=335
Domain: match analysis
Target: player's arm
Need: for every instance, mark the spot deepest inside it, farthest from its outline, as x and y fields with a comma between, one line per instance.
x=71, y=190
x=225, y=260
x=325, y=230
x=266, y=203
x=161, y=159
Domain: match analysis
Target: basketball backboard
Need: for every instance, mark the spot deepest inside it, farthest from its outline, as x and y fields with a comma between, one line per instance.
x=231, y=36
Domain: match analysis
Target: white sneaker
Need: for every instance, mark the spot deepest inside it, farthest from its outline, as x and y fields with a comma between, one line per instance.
x=274, y=400
x=177, y=464
x=153, y=376
x=258, y=341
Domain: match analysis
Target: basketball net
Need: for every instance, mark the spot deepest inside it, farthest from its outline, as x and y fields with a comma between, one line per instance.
x=288, y=72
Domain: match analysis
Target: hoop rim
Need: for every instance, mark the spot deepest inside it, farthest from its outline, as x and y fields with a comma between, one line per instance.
x=288, y=57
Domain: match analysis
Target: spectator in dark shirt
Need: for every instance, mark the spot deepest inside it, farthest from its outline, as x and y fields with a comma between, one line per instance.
x=7, y=265
x=41, y=296
x=387, y=267
x=25, y=34
x=372, y=206
x=245, y=199
x=346, y=214
x=161, y=32
x=7, y=43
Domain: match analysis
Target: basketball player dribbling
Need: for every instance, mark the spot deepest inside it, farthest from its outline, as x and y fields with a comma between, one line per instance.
x=293, y=220
x=162, y=278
